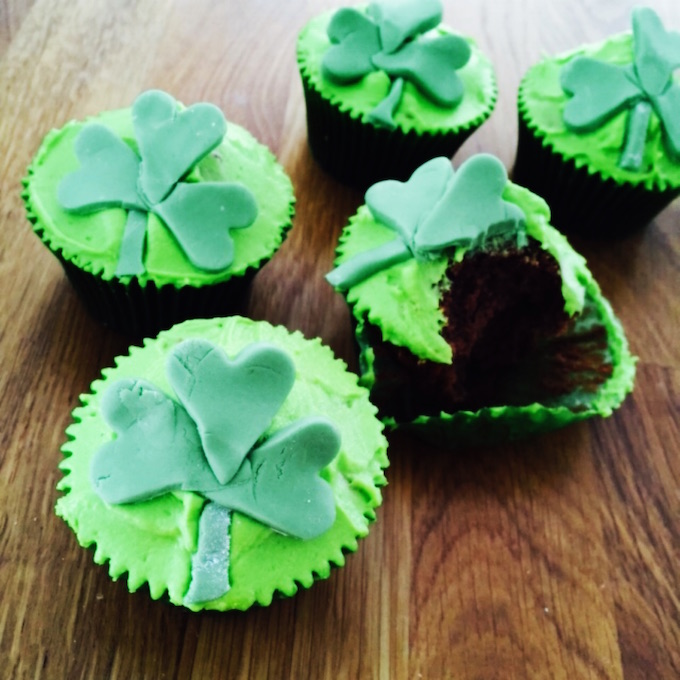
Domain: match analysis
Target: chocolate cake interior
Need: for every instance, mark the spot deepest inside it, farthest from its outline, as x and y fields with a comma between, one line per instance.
x=512, y=341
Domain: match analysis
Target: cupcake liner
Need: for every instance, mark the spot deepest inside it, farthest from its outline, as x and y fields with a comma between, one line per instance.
x=152, y=542
x=143, y=310
x=581, y=200
x=359, y=154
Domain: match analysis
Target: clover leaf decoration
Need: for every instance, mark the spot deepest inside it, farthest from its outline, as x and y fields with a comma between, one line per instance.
x=390, y=37
x=153, y=179
x=434, y=210
x=210, y=441
x=599, y=90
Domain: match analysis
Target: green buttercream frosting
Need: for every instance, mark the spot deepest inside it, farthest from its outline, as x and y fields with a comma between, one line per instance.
x=70, y=196
x=403, y=299
x=543, y=104
x=156, y=541
x=362, y=41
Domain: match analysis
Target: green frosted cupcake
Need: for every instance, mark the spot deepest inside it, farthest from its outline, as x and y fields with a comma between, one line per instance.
x=388, y=87
x=158, y=213
x=223, y=463
x=475, y=318
x=599, y=130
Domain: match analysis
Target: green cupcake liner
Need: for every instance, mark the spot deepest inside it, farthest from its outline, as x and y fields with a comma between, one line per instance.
x=581, y=200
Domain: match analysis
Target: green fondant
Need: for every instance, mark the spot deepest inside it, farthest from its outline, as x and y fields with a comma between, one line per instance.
x=383, y=114
x=157, y=447
x=210, y=562
x=636, y=132
x=436, y=210
x=405, y=19
x=201, y=217
x=657, y=51
x=171, y=141
x=415, y=111
x=279, y=483
x=153, y=541
x=388, y=37
x=431, y=66
x=355, y=39
x=232, y=402
x=107, y=176
x=131, y=257
x=93, y=241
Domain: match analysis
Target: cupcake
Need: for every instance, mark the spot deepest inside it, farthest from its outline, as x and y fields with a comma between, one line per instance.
x=388, y=87
x=476, y=320
x=225, y=462
x=599, y=130
x=158, y=213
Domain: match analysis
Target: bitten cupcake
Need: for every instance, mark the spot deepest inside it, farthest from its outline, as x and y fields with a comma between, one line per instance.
x=158, y=213
x=223, y=463
x=475, y=318
x=599, y=130
x=388, y=87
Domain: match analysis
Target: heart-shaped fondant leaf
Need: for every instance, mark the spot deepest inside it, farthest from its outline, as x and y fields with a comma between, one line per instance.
x=657, y=51
x=400, y=21
x=598, y=91
x=171, y=141
x=401, y=205
x=232, y=401
x=279, y=484
x=471, y=206
x=201, y=215
x=667, y=106
x=107, y=177
x=431, y=66
x=355, y=39
x=157, y=448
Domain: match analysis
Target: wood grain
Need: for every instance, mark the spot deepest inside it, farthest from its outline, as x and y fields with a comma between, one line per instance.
x=552, y=558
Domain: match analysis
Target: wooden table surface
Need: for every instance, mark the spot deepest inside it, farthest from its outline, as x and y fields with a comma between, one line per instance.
x=557, y=557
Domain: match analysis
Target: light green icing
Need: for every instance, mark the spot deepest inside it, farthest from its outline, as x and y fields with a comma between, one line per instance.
x=154, y=541
x=600, y=90
x=542, y=102
x=415, y=111
x=93, y=241
x=404, y=299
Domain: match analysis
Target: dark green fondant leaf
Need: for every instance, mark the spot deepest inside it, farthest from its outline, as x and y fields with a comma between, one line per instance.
x=171, y=141
x=107, y=177
x=402, y=21
x=279, y=483
x=201, y=216
x=431, y=66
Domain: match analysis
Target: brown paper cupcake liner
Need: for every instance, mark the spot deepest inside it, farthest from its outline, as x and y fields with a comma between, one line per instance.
x=582, y=202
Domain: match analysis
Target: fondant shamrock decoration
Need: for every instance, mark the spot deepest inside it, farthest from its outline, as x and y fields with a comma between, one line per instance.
x=211, y=442
x=170, y=142
x=434, y=210
x=599, y=91
x=389, y=37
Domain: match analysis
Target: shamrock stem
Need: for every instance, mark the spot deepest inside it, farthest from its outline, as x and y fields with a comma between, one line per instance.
x=365, y=264
x=636, y=135
x=383, y=114
x=210, y=562
x=131, y=255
